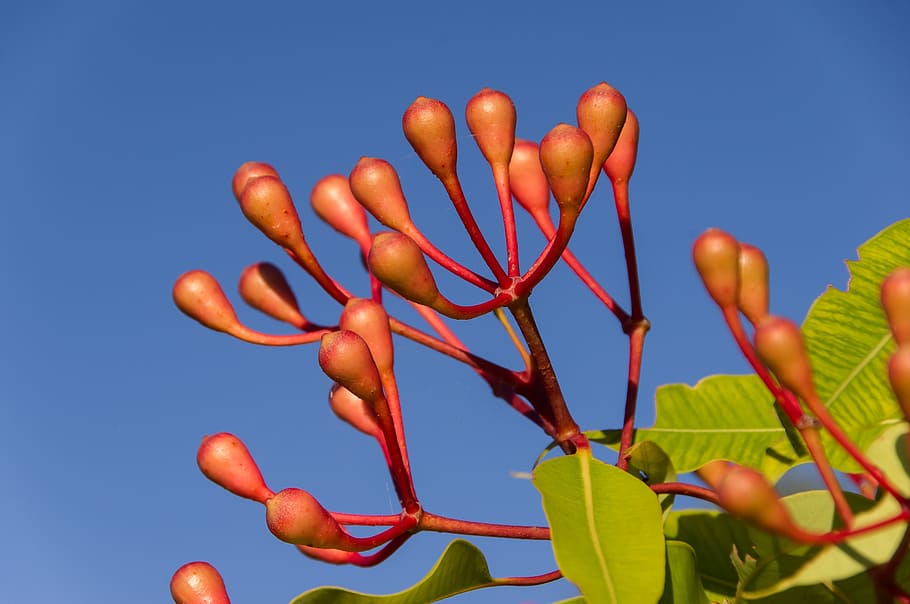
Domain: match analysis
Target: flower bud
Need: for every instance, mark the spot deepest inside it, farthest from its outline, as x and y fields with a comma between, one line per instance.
x=334, y=203
x=263, y=286
x=747, y=494
x=375, y=185
x=896, y=302
x=267, y=204
x=345, y=357
x=899, y=375
x=295, y=516
x=399, y=264
x=566, y=154
x=198, y=294
x=198, y=583
x=491, y=119
x=246, y=173
x=527, y=179
x=430, y=128
x=716, y=256
x=779, y=344
x=621, y=162
x=601, y=113
x=353, y=410
x=753, y=283
x=369, y=320
x=226, y=461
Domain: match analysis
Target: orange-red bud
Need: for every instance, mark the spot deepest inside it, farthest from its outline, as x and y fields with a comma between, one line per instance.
x=896, y=302
x=267, y=203
x=264, y=287
x=566, y=154
x=491, y=119
x=621, y=162
x=247, y=172
x=198, y=294
x=226, y=461
x=601, y=113
x=369, y=320
x=198, y=583
x=345, y=357
x=753, y=283
x=353, y=410
x=399, y=264
x=429, y=126
x=899, y=374
x=527, y=179
x=747, y=494
x=716, y=256
x=295, y=516
x=779, y=344
x=334, y=203
x=375, y=185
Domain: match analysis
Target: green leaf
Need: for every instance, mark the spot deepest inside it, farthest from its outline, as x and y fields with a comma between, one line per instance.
x=606, y=529
x=461, y=568
x=655, y=466
x=849, y=344
x=683, y=584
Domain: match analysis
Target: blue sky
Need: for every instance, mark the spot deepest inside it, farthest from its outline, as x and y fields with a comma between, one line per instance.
x=122, y=123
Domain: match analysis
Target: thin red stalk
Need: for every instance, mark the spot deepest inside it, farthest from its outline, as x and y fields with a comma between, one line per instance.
x=636, y=348
x=689, y=490
x=257, y=337
x=621, y=197
x=404, y=525
x=556, y=245
x=449, y=263
x=305, y=258
x=814, y=445
x=401, y=476
x=442, y=524
x=457, y=311
x=390, y=387
x=553, y=575
x=373, y=559
x=366, y=519
x=504, y=192
x=841, y=535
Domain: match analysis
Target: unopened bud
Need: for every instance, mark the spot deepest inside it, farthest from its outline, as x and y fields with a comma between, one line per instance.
x=369, y=320
x=334, y=203
x=621, y=162
x=375, y=185
x=345, y=357
x=779, y=344
x=353, y=410
x=264, y=287
x=899, y=375
x=400, y=265
x=601, y=113
x=267, y=204
x=491, y=119
x=226, y=461
x=246, y=173
x=896, y=302
x=566, y=154
x=716, y=256
x=295, y=516
x=527, y=179
x=198, y=294
x=753, y=283
x=198, y=583
x=747, y=494
x=429, y=126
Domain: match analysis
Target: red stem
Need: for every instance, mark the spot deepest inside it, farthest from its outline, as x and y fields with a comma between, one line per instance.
x=636, y=348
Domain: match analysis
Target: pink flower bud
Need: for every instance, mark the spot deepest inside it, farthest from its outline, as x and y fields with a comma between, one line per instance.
x=747, y=494
x=375, y=184
x=267, y=204
x=491, y=119
x=527, y=179
x=247, y=172
x=601, y=113
x=716, y=256
x=353, y=410
x=345, y=357
x=399, y=264
x=334, y=203
x=295, y=516
x=896, y=302
x=226, y=461
x=621, y=162
x=899, y=374
x=779, y=344
x=198, y=294
x=264, y=287
x=753, y=283
x=566, y=154
x=198, y=583
x=369, y=320
x=430, y=128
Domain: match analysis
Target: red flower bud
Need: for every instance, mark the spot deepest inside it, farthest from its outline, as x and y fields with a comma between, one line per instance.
x=226, y=461
x=267, y=204
x=716, y=256
x=295, y=516
x=369, y=320
x=198, y=294
x=601, y=113
x=899, y=374
x=399, y=264
x=334, y=203
x=566, y=154
x=345, y=357
x=264, y=287
x=375, y=185
x=430, y=128
x=753, y=283
x=353, y=410
x=896, y=302
x=491, y=119
x=246, y=173
x=198, y=583
x=528, y=181
x=621, y=162
x=747, y=494
x=779, y=344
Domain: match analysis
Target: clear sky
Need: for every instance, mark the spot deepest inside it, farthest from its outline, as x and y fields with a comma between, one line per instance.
x=121, y=124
